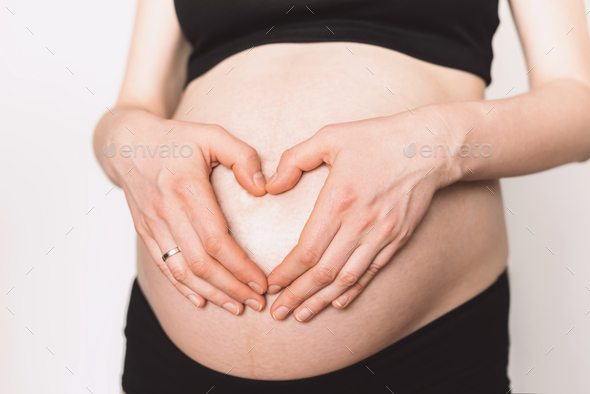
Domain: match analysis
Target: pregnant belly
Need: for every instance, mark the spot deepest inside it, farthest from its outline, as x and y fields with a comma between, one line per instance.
x=274, y=97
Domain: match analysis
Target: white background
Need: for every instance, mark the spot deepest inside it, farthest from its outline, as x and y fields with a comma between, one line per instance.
x=74, y=298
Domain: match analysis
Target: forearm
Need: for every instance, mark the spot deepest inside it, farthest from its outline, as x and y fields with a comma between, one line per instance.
x=532, y=132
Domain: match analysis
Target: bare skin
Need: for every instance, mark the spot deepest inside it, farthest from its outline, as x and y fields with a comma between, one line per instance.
x=418, y=285
x=278, y=96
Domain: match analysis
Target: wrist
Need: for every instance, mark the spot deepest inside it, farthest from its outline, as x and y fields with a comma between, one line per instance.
x=117, y=130
x=458, y=124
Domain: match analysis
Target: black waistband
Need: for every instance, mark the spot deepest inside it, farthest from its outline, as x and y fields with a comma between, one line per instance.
x=465, y=350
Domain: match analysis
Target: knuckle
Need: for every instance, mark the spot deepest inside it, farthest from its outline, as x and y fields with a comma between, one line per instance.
x=179, y=273
x=212, y=243
x=347, y=279
x=151, y=223
x=164, y=182
x=317, y=303
x=233, y=292
x=287, y=156
x=293, y=298
x=211, y=131
x=324, y=275
x=180, y=287
x=373, y=269
x=240, y=271
x=164, y=268
x=403, y=234
x=247, y=153
x=177, y=189
x=308, y=256
x=199, y=266
x=342, y=198
x=329, y=134
x=385, y=231
x=327, y=130
x=162, y=209
x=358, y=287
x=140, y=230
x=215, y=129
x=390, y=226
x=365, y=221
x=280, y=278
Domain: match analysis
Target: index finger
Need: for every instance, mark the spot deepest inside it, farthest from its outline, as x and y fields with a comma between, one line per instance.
x=319, y=231
x=209, y=223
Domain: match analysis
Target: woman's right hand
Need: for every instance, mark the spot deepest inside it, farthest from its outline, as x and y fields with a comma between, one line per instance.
x=172, y=203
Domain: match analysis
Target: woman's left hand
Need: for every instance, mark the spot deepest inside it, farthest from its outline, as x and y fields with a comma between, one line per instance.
x=374, y=197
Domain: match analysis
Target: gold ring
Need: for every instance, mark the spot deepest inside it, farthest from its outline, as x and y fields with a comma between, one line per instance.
x=171, y=252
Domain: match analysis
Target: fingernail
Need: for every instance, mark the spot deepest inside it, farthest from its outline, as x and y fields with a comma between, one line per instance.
x=257, y=306
x=194, y=300
x=342, y=300
x=272, y=178
x=259, y=180
x=231, y=308
x=280, y=313
x=256, y=287
x=274, y=289
x=303, y=315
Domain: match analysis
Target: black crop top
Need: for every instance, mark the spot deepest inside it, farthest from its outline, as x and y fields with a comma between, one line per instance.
x=451, y=33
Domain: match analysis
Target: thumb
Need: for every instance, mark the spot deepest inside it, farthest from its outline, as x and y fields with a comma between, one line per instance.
x=304, y=156
x=234, y=153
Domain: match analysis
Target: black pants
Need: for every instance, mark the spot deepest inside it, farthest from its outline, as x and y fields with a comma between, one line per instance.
x=464, y=351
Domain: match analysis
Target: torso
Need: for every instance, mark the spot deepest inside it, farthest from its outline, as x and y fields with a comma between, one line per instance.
x=274, y=97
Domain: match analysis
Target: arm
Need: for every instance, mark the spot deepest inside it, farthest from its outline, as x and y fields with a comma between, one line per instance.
x=169, y=195
x=546, y=127
x=354, y=230
x=155, y=70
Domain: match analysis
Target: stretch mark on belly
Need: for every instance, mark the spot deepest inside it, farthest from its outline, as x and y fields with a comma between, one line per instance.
x=270, y=270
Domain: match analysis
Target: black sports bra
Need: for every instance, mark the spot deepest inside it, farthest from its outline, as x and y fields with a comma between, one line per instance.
x=451, y=33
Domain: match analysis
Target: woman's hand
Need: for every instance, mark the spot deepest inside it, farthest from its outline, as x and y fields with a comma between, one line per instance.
x=163, y=167
x=373, y=199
